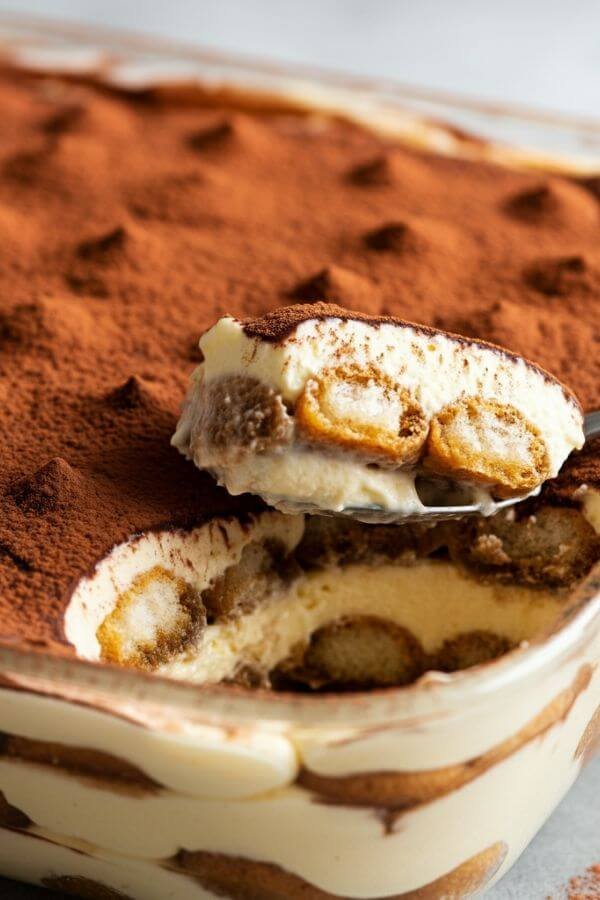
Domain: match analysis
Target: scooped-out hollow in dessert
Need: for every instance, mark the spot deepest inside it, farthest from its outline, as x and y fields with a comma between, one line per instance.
x=316, y=408
x=323, y=604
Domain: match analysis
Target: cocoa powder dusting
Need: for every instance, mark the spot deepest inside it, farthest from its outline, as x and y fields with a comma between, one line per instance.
x=583, y=887
x=129, y=224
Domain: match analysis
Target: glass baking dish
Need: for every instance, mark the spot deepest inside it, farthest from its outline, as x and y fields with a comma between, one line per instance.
x=261, y=795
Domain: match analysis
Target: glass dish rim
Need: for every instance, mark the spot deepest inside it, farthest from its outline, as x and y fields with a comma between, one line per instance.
x=139, y=42
x=438, y=695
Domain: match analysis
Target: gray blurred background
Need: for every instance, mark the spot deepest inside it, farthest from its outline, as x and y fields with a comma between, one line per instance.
x=543, y=53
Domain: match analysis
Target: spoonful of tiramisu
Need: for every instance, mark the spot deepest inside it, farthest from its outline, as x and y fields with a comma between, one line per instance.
x=322, y=410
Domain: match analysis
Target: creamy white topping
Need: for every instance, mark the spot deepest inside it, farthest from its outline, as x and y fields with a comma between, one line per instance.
x=320, y=481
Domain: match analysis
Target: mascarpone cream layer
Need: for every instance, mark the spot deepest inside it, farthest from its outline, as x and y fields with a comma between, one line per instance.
x=287, y=827
x=324, y=482
x=41, y=855
x=199, y=760
x=432, y=599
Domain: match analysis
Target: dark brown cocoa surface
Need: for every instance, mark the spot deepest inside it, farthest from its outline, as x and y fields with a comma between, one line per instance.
x=128, y=225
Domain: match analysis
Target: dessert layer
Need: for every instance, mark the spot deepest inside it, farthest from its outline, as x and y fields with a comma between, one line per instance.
x=38, y=857
x=288, y=827
x=311, y=405
x=131, y=223
x=366, y=626
x=43, y=858
x=306, y=603
x=300, y=837
x=153, y=596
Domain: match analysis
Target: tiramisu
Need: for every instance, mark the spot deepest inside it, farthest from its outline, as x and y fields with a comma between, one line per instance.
x=319, y=408
x=354, y=711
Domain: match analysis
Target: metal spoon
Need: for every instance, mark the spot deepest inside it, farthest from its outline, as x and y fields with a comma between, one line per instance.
x=480, y=505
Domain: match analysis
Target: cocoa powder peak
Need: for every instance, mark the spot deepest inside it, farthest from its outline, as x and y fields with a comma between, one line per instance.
x=130, y=224
x=214, y=134
x=377, y=171
x=99, y=247
x=561, y=275
x=131, y=394
x=552, y=203
x=394, y=236
x=53, y=485
x=336, y=285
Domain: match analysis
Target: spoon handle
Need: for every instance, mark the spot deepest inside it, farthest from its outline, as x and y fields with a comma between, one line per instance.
x=591, y=424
